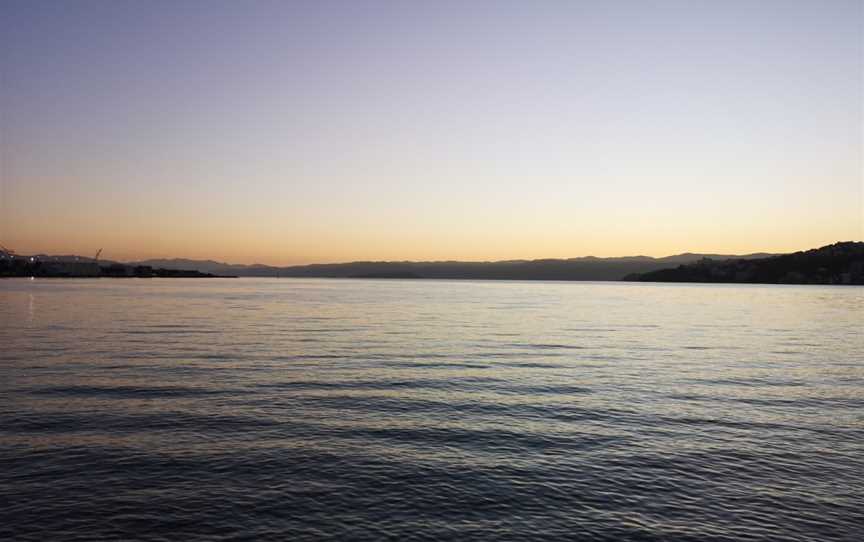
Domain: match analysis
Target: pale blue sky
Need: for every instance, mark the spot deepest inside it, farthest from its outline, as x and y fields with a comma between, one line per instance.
x=291, y=132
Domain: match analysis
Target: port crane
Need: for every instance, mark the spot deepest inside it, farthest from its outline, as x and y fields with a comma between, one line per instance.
x=8, y=251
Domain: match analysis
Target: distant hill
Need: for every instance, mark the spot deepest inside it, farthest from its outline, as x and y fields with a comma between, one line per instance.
x=587, y=268
x=212, y=267
x=840, y=263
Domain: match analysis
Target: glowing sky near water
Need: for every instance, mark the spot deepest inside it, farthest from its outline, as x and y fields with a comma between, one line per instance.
x=291, y=132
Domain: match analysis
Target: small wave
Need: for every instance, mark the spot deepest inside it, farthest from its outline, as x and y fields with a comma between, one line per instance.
x=549, y=389
x=432, y=365
x=755, y=382
x=548, y=346
x=168, y=331
x=377, y=385
x=532, y=365
x=126, y=391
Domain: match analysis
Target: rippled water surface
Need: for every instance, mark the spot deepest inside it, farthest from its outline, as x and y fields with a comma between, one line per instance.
x=266, y=409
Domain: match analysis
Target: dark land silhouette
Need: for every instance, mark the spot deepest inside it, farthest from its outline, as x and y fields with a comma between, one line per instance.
x=78, y=267
x=840, y=263
x=586, y=268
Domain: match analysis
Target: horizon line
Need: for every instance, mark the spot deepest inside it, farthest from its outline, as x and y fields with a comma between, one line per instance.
x=259, y=264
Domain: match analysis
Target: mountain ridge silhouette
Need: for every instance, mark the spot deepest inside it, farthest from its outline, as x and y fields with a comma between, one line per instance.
x=577, y=268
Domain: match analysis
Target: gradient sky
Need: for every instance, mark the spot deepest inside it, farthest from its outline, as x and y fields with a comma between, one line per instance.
x=292, y=132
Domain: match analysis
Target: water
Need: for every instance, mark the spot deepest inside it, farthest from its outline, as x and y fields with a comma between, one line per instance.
x=264, y=409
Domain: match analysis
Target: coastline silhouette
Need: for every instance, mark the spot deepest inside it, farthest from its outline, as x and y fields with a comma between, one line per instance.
x=840, y=263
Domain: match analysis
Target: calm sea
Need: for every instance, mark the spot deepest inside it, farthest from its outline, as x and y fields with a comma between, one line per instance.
x=267, y=409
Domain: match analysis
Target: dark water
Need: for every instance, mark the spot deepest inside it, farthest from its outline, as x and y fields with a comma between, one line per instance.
x=429, y=410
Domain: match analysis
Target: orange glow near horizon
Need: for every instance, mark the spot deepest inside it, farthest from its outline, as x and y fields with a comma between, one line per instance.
x=282, y=247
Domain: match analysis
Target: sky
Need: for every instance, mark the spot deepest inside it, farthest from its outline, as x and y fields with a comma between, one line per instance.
x=289, y=132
